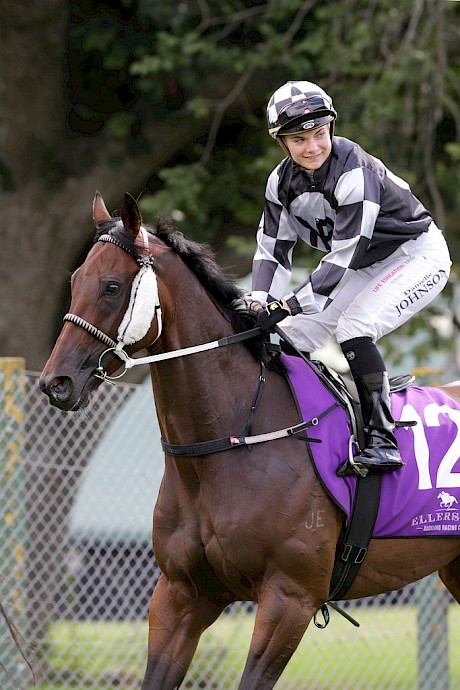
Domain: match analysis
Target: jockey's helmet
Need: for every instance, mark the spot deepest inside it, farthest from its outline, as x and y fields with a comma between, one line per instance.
x=299, y=106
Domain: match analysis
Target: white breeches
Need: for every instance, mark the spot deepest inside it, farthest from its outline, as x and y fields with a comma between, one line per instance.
x=378, y=299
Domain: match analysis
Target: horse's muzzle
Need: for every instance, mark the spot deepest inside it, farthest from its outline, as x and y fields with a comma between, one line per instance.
x=61, y=393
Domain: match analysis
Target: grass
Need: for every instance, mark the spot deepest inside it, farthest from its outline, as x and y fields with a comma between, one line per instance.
x=382, y=653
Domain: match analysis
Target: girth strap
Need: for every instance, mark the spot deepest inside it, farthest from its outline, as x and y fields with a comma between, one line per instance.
x=353, y=548
x=220, y=444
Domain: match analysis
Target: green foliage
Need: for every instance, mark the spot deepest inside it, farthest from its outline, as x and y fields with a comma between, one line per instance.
x=120, y=123
x=391, y=68
x=180, y=197
x=204, y=199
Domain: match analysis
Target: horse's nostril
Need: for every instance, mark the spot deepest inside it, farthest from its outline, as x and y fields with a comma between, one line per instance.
x=60, y=388
x=57, y=383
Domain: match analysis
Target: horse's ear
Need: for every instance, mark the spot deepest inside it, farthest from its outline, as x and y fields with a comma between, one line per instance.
x=100, y=212
x=131, y=216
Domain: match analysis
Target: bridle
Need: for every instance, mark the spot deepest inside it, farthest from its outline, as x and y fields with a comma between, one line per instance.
x=144, y=289
x=133, y=326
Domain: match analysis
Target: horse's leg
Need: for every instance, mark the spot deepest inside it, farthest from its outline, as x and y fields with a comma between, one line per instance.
x=178, y=615
x=450, y=575
x=282, y=618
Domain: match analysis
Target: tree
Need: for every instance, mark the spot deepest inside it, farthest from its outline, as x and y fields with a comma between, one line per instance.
x=126, y=96
x=56, y=153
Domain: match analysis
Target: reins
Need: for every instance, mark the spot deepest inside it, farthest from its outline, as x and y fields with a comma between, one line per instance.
x=146, y=263
x=129, y=362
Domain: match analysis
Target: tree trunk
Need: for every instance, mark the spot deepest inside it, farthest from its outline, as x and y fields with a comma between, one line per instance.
x=48, y=177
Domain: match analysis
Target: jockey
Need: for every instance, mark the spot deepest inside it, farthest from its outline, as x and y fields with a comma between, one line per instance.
x=384, y=258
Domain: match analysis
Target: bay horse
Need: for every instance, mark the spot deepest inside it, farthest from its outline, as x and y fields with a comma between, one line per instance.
x=251, y=523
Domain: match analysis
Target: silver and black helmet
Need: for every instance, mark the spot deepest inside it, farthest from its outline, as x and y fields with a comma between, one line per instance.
x=298, y=106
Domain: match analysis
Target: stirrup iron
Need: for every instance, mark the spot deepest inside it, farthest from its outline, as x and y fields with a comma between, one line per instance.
x=350, y=467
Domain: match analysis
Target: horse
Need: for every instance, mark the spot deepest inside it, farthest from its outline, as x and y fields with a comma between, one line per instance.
x=232, y=521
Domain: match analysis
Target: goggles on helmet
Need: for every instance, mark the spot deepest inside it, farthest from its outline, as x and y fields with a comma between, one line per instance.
x=307, y=113
x=311, y=107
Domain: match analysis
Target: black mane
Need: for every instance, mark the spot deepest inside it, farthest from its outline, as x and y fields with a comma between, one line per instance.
x=200, y=258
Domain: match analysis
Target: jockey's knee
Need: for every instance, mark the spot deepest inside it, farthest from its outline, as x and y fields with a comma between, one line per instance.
x=355, y=327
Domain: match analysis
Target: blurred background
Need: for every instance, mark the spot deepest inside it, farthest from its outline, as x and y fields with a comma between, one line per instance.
x=167, y=101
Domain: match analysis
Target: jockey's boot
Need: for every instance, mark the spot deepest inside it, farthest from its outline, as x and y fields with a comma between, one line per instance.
x=381, y=454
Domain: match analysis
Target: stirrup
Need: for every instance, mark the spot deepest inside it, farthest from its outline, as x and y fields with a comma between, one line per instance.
x=401, y=382
x=358, y=467
x=351, y=468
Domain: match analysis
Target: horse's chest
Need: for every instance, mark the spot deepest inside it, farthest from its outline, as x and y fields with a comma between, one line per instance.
x=236, y=561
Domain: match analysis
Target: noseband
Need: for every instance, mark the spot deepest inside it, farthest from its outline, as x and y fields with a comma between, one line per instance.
x=87, y=326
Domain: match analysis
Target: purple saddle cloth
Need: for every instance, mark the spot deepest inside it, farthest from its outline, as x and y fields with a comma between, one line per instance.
x=423, y=498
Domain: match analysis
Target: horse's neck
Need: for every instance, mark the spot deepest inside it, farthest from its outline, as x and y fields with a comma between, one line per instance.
x=198, y=395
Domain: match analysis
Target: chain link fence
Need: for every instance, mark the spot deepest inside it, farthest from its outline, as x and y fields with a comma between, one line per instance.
x=76, y=500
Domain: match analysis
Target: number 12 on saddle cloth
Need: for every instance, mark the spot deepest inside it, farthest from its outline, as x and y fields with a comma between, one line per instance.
x=422, y=499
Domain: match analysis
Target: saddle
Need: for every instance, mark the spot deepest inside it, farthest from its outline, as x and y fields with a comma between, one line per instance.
x=353, y=545
x=344, y=389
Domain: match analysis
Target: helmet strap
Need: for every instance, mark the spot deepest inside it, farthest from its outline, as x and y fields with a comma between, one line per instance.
x=280, y=140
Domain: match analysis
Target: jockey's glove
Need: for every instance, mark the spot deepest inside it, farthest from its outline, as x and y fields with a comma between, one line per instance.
x=273, y=313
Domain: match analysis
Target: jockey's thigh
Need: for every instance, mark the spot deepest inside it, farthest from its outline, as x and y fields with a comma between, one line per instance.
x=395, y=289
x=309, y=332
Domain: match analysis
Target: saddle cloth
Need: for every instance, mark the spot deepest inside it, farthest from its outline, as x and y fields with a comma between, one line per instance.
x=422, y=499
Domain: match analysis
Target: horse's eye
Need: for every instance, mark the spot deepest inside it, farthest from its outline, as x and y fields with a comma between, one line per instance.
x=112, y=288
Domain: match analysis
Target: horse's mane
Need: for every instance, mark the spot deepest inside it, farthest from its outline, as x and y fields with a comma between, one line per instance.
x=200, y=259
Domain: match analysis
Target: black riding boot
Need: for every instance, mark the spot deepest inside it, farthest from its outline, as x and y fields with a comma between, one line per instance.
x=381, y=453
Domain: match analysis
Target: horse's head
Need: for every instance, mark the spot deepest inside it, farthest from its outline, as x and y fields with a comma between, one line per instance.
x=114, y=302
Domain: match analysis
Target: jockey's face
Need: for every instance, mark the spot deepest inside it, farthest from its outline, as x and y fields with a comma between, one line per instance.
x=309, y=149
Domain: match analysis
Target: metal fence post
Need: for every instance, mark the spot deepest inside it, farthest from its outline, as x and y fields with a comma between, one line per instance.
x=12, y=497
x=432, y=634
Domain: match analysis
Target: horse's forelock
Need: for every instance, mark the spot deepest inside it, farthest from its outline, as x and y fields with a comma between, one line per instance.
x=115, y=229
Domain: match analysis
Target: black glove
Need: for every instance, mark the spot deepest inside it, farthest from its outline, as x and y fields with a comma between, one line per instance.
x=273, y=313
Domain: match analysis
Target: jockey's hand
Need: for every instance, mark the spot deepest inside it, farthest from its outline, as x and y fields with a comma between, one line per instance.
x=273, y=313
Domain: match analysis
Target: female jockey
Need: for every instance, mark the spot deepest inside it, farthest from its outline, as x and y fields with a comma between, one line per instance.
x=384, y=259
